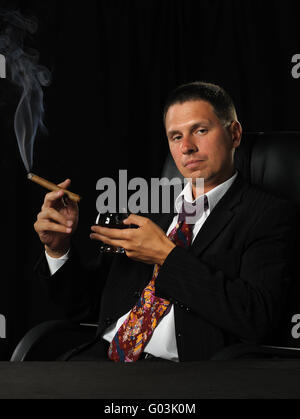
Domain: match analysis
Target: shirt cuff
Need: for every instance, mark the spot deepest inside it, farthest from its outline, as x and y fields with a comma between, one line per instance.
x=56, y=263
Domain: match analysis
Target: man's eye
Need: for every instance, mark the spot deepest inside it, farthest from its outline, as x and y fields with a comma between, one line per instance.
x=202, y=131
x=178, y=137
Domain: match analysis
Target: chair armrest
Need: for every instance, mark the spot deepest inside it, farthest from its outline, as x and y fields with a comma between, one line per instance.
x=244, y=350
x=48, y=340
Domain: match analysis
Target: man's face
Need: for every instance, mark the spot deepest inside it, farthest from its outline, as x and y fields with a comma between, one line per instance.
x=201, y=146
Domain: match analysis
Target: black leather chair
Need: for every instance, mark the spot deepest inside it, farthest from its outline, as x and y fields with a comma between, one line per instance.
x=270, y=160
x=49, y=340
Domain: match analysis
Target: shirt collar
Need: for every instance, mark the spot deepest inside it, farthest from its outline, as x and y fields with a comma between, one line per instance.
x=213, y=196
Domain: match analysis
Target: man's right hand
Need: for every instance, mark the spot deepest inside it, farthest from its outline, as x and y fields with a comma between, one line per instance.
x=57, y=222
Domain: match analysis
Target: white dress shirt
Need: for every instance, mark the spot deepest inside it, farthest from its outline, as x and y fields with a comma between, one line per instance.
x=163, y=341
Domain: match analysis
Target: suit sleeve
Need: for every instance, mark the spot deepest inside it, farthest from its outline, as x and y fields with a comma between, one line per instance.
x=248, y=306
x=75, y=288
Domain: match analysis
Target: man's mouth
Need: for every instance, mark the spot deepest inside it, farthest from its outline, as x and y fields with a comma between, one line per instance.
x=192, y=163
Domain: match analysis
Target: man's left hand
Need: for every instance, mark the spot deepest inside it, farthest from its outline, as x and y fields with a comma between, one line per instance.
x=148, y=243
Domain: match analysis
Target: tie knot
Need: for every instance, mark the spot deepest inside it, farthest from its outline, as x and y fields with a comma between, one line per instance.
x=192, y=211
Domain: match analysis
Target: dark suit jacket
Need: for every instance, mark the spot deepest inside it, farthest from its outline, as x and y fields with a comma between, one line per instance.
x=229, y=287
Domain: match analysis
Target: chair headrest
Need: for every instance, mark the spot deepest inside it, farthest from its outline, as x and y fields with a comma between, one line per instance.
x=271, y=160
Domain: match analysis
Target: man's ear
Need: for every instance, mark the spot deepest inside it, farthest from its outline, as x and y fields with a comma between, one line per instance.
x=236, y=133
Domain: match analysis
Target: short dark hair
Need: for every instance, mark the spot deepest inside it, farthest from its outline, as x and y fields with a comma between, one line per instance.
x=215, y=95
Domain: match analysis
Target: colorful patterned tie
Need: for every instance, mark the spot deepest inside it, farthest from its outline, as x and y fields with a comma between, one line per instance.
x=134, y=334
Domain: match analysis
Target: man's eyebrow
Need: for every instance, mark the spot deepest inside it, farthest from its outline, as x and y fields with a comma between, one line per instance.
x=171, y=133
x=200, y=123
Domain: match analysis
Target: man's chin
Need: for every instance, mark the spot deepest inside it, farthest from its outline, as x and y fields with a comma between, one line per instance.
x=197, y=174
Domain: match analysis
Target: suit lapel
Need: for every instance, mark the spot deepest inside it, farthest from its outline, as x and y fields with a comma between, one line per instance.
x=217, y=220
x=220, y=216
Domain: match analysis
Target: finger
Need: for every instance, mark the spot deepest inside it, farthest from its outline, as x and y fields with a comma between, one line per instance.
x=45, y=225
x=113, y=233
x=52, y=197
x=136, y=219
x=69, y=203
x=53, y=215
x=106, y=240
x=65, y=199
x=65, y=184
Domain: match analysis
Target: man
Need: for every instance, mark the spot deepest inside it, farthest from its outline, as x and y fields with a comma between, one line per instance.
x=184, y=291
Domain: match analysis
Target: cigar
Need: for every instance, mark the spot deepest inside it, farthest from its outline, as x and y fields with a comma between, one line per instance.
x=52, y=187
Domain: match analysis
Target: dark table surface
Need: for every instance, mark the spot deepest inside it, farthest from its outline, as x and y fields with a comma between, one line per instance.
x=152, y=380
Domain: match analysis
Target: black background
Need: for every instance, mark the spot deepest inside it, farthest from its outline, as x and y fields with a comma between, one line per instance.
x=113, y=63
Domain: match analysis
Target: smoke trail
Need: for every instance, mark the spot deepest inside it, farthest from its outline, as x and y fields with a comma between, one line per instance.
x=24, y=71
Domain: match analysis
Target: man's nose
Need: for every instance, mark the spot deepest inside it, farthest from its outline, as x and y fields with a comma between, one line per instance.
x=188, y=145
